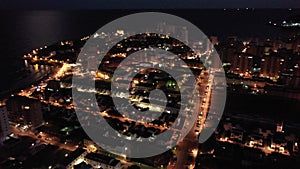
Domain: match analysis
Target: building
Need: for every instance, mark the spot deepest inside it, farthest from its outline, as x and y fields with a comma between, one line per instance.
x=255, y=140
x=211, y=42
x=90, y=146
x=73, y=159
x=99, y=160
x=164, y=27
x=53, y=85
x=92, y=63
x=295, y=82
x=279, y=127
x=271, y=66
x=295, y=147
x=214, y=40
x=279, y=143
x=23, y=109
x=237, y=135
x=198, y=47
x=174, y=31
x=83, y=165
x=4, y=124
x=278, y=44
x=241, y=64
x=32, y=112
x=13, y=105
x=183, y=34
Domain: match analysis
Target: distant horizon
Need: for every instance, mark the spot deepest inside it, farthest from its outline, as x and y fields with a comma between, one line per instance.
x=155, y=4
x=135, y=88
x=28, y=30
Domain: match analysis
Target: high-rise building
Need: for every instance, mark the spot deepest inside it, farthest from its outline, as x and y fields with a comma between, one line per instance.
x=252, y=49
x=32, y=112
x=165, y=28
x=271, y=66
x=241, y=64
x=174, y=31
x=228, y=48
x=4, y=124
x=295, y=82
x=184, y=34
x=227, y=54
x=25, y=109
x=92, y=63
x=211, y=42
x=278, y=44
x=13, y=105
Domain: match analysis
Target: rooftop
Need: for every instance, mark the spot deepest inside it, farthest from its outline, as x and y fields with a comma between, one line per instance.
x=102, y=159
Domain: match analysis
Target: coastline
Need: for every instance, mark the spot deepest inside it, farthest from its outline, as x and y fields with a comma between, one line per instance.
x=28, y=81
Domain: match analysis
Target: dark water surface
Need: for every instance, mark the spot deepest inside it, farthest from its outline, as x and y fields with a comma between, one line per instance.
x=23, y=31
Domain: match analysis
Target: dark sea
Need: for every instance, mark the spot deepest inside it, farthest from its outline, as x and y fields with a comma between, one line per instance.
x=23, y=31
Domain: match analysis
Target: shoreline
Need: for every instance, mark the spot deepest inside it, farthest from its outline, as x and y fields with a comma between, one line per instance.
x=15, y=88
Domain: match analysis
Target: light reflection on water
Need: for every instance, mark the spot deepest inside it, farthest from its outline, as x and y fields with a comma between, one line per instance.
x=23, y=31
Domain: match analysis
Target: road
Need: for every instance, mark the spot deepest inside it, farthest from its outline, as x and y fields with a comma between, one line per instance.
x=50, y=139
x=187, y=149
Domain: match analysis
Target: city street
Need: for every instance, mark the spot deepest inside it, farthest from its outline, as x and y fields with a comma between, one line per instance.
x=186, y=151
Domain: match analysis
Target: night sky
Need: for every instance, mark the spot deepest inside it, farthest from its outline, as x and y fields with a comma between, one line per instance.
x=142, y=4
